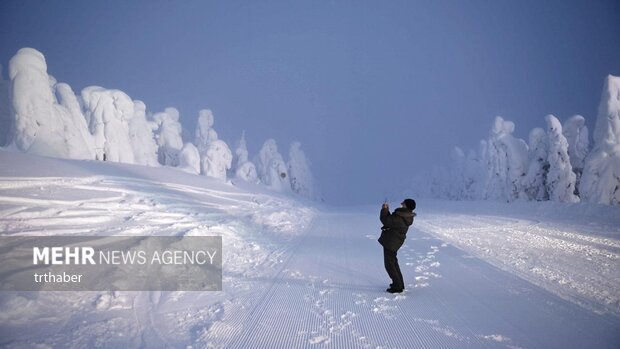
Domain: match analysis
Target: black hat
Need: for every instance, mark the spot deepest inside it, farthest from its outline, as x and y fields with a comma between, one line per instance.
x=410, y=204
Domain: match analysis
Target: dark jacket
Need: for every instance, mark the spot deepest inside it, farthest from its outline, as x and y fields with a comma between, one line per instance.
x=395, y=226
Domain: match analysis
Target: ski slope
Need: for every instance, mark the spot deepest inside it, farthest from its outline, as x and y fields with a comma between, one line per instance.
x=298, y=275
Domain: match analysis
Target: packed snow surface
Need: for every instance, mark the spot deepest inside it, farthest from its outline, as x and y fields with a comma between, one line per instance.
x=519, y=275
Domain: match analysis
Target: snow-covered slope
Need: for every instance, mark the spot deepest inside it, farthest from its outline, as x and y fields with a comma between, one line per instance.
x=571, y=250
x=49, y=196
x=297, y=275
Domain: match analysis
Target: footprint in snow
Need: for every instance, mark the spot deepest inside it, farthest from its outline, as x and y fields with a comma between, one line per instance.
x=382, y=306
x=431, y=274
x=360, y=298
x=324, y=292
x=319, y=339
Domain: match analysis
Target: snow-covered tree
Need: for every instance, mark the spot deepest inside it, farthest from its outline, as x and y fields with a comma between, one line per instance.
x=215, y=156
x=516, y=150
x=561, y=179
x=534, y=181
x=264, y=156
x=600, y=181
x=216, y=160
x=241, y=153
x=35, y=125
x=205, y=133
x=141, y=134
x=496, y=163
x=40, y=124
x=302, y=181
x=189, y=159
x=506, y=162
x=74, y=116
x=168, y=136
x=109, y=113
x=576, y=133
x=247, y=172
x=272, y=169
x=244, y=168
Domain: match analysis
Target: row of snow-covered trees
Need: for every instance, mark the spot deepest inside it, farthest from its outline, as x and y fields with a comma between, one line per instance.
x=556, y=164
x=42, y=116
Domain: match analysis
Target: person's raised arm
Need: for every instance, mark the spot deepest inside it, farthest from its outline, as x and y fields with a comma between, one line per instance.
x=385, y=213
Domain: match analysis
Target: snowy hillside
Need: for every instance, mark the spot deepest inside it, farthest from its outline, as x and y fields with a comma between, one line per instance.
x=521, y=275
x=46, y=196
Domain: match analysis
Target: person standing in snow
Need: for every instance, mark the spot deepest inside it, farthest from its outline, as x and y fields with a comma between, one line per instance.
x=393, y=234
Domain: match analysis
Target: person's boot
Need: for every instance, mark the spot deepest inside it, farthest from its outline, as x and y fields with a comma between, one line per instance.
x=393, y=289
x=392, y=286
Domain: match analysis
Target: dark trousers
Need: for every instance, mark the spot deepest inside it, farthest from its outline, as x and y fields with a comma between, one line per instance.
x=392, y=268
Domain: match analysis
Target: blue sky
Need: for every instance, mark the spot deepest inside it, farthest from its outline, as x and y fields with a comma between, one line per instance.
x=374, y=90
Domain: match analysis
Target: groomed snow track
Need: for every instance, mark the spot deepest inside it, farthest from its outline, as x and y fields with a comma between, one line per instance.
x=330, y=292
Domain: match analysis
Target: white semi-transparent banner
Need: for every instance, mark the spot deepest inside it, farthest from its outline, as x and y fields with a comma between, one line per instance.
x=111, y=263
